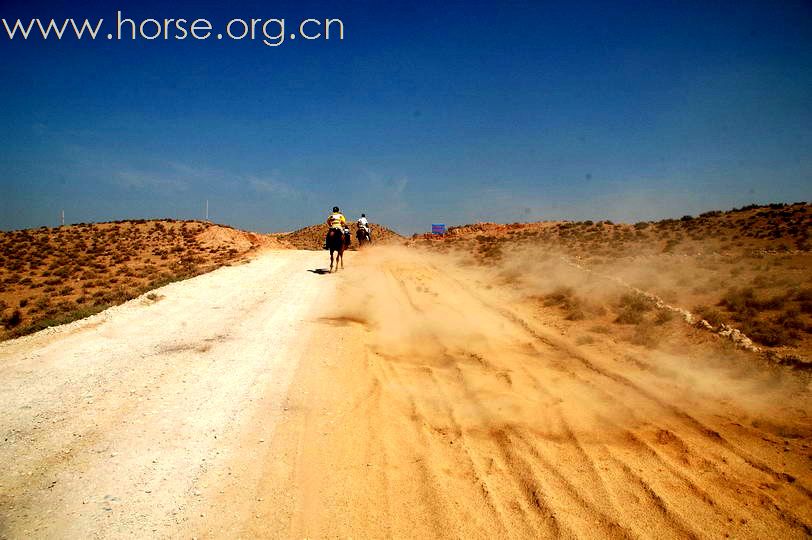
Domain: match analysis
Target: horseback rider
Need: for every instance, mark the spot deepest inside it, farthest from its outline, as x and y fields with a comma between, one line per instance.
x=336, y=221
x=363, y=223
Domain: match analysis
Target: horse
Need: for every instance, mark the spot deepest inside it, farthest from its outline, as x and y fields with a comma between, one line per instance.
x=363, y=237
x=337, y=242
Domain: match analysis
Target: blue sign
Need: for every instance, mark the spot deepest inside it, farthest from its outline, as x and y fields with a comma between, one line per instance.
x=438, y=228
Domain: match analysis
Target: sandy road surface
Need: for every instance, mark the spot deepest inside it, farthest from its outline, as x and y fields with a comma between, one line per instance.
x=109, y=423
x=401, y=398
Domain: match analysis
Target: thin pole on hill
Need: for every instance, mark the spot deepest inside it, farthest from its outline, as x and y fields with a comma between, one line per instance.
x=207, y=209
x=63, y=218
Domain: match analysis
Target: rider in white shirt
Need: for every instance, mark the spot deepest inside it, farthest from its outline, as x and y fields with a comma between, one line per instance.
x=364, y=224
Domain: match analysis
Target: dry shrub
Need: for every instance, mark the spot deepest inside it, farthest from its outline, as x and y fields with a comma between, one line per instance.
x=628, y=316
x=576, y=307
x=804, y=295
x=712, y=315
x=791, y=320
x=633, y=308
x=769, y=333
x=664, y=316
x=13, y=320
x=645, y=334
x=561, y=296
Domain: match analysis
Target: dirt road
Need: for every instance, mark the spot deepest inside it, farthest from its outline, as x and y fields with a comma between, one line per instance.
x=400, y=398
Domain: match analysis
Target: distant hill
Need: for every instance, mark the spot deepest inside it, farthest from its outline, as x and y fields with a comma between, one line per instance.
x=775, y=227
x=312, y=237
x=51, y=276
x=748, y=267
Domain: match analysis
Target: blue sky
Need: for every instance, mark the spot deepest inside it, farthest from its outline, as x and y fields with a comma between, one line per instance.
x=426, y=112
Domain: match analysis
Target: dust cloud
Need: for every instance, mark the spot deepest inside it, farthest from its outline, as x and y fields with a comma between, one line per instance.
x=489, y=325
x=483, y=411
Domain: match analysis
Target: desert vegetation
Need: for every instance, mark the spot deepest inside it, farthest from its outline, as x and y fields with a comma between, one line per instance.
x=747, y=269
x=51, y=276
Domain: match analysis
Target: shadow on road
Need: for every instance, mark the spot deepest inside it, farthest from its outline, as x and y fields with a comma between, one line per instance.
x=320, y=271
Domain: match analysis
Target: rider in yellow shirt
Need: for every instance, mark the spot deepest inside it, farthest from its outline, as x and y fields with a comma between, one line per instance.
x=336, y=221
